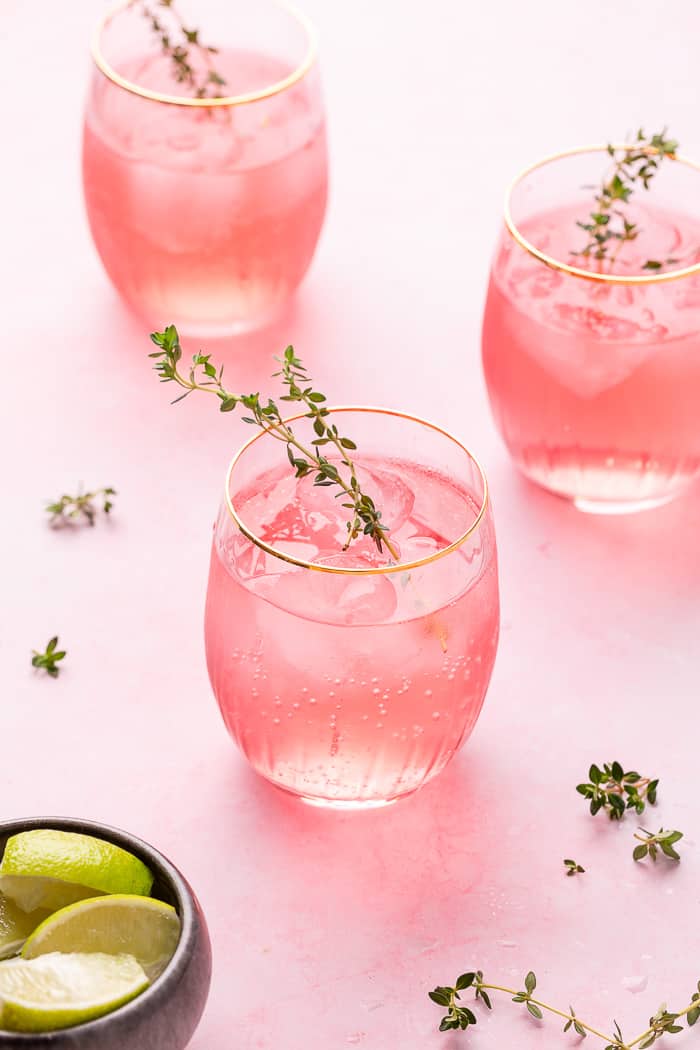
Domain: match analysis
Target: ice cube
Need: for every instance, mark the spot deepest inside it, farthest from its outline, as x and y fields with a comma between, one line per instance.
x=331, y=598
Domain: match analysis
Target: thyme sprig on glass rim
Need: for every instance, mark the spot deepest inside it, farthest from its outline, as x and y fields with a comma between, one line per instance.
x=608, y=226
x=614, y=791
x=69, y=510
x=203, y=375
x=179, y=49
x=462, y=1017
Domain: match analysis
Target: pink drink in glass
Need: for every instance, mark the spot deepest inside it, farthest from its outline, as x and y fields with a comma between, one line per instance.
x=207, y=215
x=354, y=688
x=595, y=383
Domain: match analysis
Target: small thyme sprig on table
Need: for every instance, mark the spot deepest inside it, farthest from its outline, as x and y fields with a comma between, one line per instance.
x=48, y=660
x=573, y=868
x=69, y=509
x=651, y=845
x=607, y=225
x=179, y=50
x=613, y=790
x=461, y=1017
x=203, y=375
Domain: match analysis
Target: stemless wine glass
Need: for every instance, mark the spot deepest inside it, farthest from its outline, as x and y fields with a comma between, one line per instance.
x=350, y=678
x=593, y=366
x=208, y=209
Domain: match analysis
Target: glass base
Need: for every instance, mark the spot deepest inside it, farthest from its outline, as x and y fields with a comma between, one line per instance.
x=345, y=805
x=564, y=482
x=592, y=506
x=228, y=330
x=192, y=328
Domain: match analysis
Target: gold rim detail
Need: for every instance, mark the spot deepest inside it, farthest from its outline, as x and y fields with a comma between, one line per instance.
x=381, y=570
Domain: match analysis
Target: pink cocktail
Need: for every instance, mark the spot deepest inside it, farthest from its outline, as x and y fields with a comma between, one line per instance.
x=346, y=677
x=206, y=210
x=593, y=367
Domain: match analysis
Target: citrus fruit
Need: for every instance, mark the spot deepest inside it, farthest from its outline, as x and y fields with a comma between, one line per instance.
x=46, y=868
x=16, y=925
x=119, y=924
x=58, y=990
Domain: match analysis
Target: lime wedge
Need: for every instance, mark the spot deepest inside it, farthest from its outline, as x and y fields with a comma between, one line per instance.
x=47, y=895
x=116, y=925
x=16, y=925
x=58, y=990
x=50, y=869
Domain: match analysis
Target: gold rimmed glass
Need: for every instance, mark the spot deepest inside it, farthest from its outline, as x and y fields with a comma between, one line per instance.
x=593, y=366
x=350, y=678
x=206, y=210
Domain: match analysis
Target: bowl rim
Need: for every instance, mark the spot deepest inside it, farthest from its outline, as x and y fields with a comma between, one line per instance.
x=162, y=868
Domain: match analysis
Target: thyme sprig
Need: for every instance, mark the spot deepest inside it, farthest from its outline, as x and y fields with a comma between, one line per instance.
x=461, y=1017
x=573, y=867
x=49, y=659
x=178, y=50
x=68, y=510
x=607, y=225
x=651, y=845
x=614, y=791
x=203, y=375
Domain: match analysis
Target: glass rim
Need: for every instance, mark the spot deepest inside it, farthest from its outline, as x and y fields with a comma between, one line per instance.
x=577, y=271
x=279, y=86
x=375, y=570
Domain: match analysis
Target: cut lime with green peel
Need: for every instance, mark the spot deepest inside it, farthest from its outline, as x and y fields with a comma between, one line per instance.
x=116, y=925
x=57, y=868
x=16, y=925
x=59, y=990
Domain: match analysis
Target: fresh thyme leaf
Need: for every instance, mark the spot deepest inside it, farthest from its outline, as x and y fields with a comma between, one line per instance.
x=177, y=48
x=614, y=791
x=651, y=845
x=68, y=510
x=607, y=225
x=48, y=660
x=460, y=1017
x=203, y=375
x=572, y=868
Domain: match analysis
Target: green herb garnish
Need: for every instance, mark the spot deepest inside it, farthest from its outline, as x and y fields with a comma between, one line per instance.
x=461, y=1017
x=48, y=660
x=572, y=868
x=651, y=845
x=607, y=225
x=70, y=509
x=203, y=375
x=177, y=48
x=613, y=790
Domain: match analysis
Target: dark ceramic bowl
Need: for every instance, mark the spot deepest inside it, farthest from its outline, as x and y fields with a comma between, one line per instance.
x=163, y=1017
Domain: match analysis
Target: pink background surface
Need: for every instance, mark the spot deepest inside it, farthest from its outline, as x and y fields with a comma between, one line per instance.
x=328, y=930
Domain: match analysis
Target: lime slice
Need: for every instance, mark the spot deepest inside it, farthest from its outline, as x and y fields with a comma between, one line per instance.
x=16, y=925
x=58, y=990
x=47, y=895
x=121, y=924
x=50, y=869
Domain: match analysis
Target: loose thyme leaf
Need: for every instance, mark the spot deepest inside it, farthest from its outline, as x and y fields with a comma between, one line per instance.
x=651, y=845
x=365, y=518
x=607, y=226
x=572, y=868
x=615, y=791
x=49, y=659
x=68, y=510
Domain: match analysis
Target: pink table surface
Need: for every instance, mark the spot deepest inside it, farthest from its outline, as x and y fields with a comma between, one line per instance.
x=329, y=929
